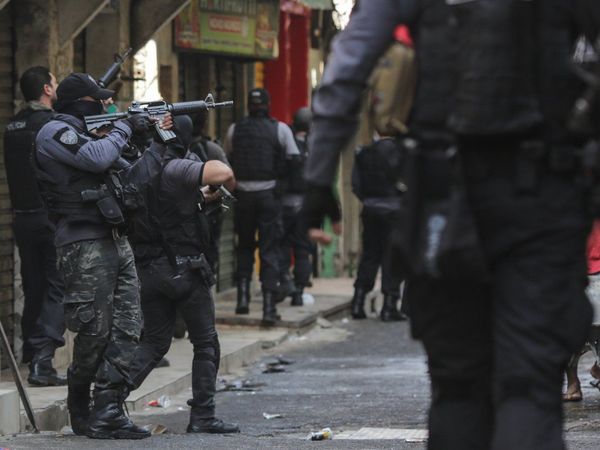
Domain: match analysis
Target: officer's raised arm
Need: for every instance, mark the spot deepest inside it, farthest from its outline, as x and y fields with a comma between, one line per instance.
x=217, y=172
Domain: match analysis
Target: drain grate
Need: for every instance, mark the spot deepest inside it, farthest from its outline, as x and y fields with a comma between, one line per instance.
x=406, y=434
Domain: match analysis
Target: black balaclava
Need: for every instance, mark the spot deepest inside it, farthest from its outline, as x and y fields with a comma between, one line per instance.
x=183, y=128
x=79, y=108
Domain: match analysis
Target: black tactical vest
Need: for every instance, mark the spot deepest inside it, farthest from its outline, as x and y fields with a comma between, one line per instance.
x=436, y=52
x=164, y=230
x=19, y=145
x=257, y=154
x=496, y=90
x=377, y=167
x=294, y=182
x=61, y=188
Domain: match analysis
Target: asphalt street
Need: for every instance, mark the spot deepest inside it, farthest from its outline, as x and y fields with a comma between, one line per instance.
x=350, y=376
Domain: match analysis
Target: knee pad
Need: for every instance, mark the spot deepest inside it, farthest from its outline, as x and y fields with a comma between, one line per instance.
x=208, y=350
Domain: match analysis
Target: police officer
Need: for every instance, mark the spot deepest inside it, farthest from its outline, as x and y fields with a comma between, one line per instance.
x=43, y=321
x=101, y=299
x=256, y=148
x=170, y=244
x=374, y=183
x=496, y=346
x=295, y=238
x=207, y=149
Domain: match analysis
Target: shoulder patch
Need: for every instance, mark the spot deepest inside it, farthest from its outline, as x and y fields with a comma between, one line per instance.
x=68, y=137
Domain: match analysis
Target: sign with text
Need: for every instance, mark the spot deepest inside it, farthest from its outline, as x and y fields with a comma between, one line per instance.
x=247, y=28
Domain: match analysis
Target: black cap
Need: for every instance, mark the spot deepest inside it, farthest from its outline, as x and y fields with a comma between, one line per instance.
x=258, y=97
x=78, y=85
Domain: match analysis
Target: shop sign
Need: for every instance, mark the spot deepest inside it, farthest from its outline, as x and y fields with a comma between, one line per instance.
x=248, y=28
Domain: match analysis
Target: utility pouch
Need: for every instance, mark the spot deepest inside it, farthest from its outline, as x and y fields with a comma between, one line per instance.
x=437, y=235
x=110, y=210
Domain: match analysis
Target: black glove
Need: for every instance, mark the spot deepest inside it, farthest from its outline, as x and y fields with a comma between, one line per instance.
x=139, y=124
x=319, y=201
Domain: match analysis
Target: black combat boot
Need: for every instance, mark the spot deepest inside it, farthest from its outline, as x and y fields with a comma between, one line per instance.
x=41, y=372
x=200, y=424
x=243, y=296
x=297, y=296
x=358, y=304
x=270, y=316
x=389, y=311
x=286, y=288
x=78, y=404
x=108, y=420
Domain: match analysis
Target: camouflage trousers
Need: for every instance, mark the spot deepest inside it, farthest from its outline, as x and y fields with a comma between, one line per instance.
x=102, y=305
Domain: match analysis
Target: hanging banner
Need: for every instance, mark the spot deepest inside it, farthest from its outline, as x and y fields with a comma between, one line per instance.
x=248, y=28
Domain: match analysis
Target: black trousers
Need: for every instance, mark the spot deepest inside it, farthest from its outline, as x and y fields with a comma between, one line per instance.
x=258, y=211
x=295, y=242
x=377, y=228
x=163, y=292
x=43, y=322
x=497, y=349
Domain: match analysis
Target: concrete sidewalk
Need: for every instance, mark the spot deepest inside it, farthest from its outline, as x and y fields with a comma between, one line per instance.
x=242, y=342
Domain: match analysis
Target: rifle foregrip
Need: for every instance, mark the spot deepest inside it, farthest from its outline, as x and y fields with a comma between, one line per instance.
x=181, y=108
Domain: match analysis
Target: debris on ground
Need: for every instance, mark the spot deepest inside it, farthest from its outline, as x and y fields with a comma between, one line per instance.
x=241, y=385
x=285, y=361
x=161, y=402
x=307, y=299
x=158, y=429
x=324, y=435
x=274, y=368
x=324, y=323
x=272, y=416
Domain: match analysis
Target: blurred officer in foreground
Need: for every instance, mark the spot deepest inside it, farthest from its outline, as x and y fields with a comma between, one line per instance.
x=101, y=299
x=256, y=148
x=295, y=239
x=498, y=330
x=374, y=177
x=170, y=243
x=43, y=322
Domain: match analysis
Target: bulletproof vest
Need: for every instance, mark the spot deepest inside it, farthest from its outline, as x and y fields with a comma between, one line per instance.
x=164, y=229
x=377, y=167
x=294, y=182
x=436, y=53
x=61, y=188
x=19, y=145
x=496, y=90
x=257, y=154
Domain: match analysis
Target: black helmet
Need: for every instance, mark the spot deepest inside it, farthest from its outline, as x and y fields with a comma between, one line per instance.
x=302, y=119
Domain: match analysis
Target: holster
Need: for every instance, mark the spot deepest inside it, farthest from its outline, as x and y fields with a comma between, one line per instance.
x=437, y=235
x=201, y=265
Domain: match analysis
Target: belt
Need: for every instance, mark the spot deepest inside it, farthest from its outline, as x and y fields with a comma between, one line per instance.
x=182, y=260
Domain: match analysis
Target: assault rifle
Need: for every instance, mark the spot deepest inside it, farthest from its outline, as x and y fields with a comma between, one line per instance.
x=111, y=74
x=155, y=111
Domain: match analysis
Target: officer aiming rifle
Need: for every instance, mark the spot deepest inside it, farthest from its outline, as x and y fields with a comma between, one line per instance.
x=155, y=111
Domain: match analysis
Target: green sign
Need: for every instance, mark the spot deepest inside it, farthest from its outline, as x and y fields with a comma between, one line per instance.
x=247, y=28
